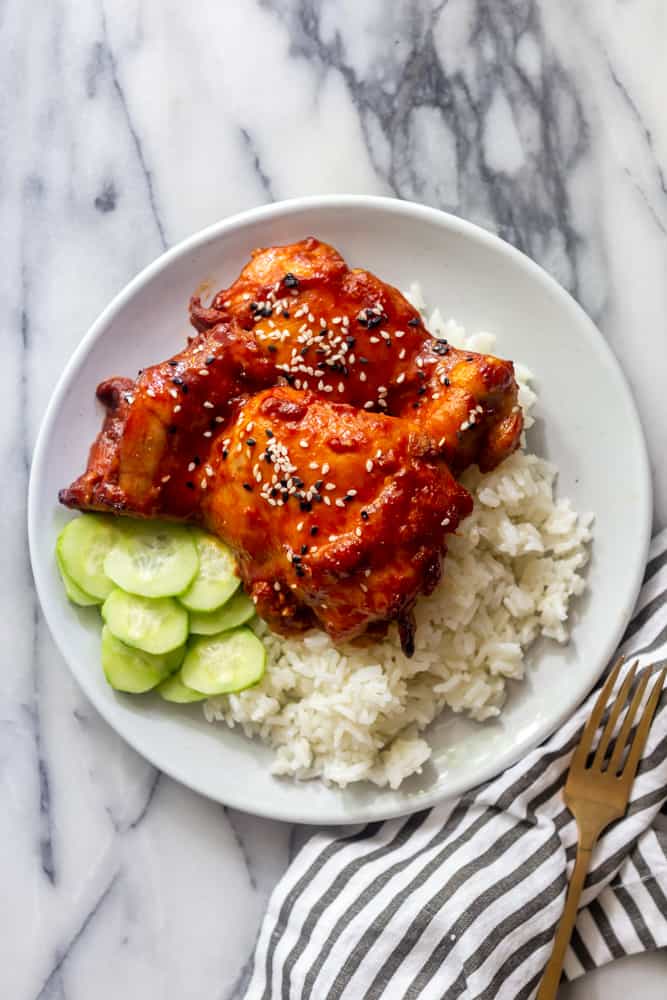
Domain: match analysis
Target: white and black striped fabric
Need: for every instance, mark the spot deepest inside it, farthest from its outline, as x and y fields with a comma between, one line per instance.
x=462, y=901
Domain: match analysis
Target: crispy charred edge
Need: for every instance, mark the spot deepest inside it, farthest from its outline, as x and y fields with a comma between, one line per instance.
x=97, y=488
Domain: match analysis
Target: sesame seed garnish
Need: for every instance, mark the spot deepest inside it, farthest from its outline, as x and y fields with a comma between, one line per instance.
x=204, y=483
x=357, y=532
x=341, y=387
x=374, y=340
x=367, y=572
x=445, y=522
x=173, y=393
x=399, y=333
x=299, y=526
x=177, y=408
x=419, y=362
x=276, y=586
x=400, y=378
x=362, y=376
x=364, y=587
x=208, y=404
x=369, y=404
x=330, y=486
x=352, y=493
x=165, y=479
x=151, y=393
x=208, y=434
x=332, y=538
x=339, y=503
x=219, y=420
x=304, y=443
x=248, y=487
x=209, y=470
x=325, y=468
x=401, y=353
x=364, y=515
x=314, y=529
x=204, y=371
x=369, y=465
x=191, y=467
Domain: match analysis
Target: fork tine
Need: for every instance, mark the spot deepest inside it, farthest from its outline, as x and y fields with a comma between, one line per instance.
x=624, y=734
x=583, y=749
x=632, y=763
x=619, y=703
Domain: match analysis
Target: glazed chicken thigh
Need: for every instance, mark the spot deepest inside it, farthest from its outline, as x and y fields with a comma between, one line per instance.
x=338, y=516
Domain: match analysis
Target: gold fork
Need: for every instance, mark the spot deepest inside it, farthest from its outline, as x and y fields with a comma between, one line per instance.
x=598, y=793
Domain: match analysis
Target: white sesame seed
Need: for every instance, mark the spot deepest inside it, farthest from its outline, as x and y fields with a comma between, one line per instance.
x=325, y=468
x=384, y=335
x=208, y=404
x=178, y=408
x=352, y=493
x=465, y=425
x=204, y=371
x=276, y=586
x=165, y=479
x=299, y=526
x=245, y=296
x=323, y=323
x=351, y=359
x=227, y=303
x=399, y=333
x=374, y=340
x=341, y=387
x=364, y=587
x=339, y=503
x=362, y=376
x=311, y=318
x=444, y=522
x=336, y=321
x=332, y=538
x=367, y=572
x=327, y=501
x=378, y=453
x=191, y=467
x=208, y=434
x=209, y=470
x=204, y=483
x=304, y=443
x=369, y=465
x=419, y=363
x=173, y=393
x=401, y=353
x=313, y=465
x=330, y=486
x=357, y=532
x=218, y=420
x=151, y=393
x=441, y=442
x=369, y=404
x=401, y=378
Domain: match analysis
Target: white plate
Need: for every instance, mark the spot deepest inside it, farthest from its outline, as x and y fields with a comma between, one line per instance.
x=587, y=424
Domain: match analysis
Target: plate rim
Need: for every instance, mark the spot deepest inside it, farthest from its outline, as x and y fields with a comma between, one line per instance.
x=264, y=213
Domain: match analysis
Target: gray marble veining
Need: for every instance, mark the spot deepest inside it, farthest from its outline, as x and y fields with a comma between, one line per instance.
x=128, y=124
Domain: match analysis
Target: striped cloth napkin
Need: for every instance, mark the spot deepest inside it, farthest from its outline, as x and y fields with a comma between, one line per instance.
x=463, y=900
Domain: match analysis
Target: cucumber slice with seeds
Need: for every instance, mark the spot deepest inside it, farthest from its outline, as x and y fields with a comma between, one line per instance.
x=153, y=559
x=237, y=611
x=216, y=580
x=72, y=589
x=156, y=625
x=132, y=670
x=174, y=690
x=223, y=664
x=82, y=547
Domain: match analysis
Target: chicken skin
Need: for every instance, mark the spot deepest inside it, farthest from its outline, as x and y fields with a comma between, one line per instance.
x=335, y=357
x=338, y=516
x=351, y=338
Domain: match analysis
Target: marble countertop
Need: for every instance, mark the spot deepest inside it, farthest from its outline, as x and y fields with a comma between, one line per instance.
x=127, y=125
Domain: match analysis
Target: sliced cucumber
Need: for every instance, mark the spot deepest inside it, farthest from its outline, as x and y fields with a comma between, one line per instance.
x=237, y=611
x=72, y=589
x=222, y=664
x=82, y=547
x=155, y=625
x=173, y=689
x=132, y=670
x=216, y=580
x=153, y=559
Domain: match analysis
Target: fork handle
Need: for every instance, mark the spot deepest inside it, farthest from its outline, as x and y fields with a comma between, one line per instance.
x=552, y=973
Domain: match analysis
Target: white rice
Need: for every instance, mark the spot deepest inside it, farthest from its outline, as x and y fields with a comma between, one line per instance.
x=350, y=713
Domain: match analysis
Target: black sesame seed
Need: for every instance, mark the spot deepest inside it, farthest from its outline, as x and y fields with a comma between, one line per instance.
x=184, y=389
x=415, y=406
x=283, y=483
x=304, y=549
x=469, y=357
x=364, y=515
x=197, y=460
x=350, y=341
x=300, y=571
x=285, y=314
x=440, y=347
x=323, y=333
x=273, y=349
x=296, y=558
x=248, y=487
x=446, y=381
x=347, y=498
x=210, y=359
x=269, y=432
x=387, y=341
x=190, y=485
x=171, y=429
x=421, y=374
x=173, y=364
x=268, y=458
x=306, y=505
x=177, y=380
x=317, y=498
x=414, y=321
x=319, y=483
x=297, y=481
x=274, y=492
x=225, y=453
x=289, y=281
x=314, y=529
x=363, y=360
x=421, y=391
x=304, y=351
x=251, y=442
